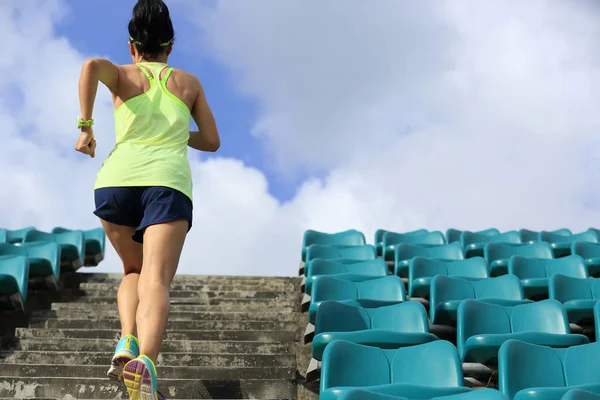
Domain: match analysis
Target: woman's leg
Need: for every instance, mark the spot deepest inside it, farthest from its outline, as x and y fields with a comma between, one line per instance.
x=131, y=255
x=162, y=248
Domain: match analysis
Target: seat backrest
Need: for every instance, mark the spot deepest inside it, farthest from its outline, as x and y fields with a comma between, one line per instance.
x=523, y=365
x=327, y=252
x=553, y=237
x=451, y=251
x=319, y=266
x=350, y=237
x=501, y=251
x=337, y=317
x=528, y=268
x=586, y=249
x=406, y=317
x=506, y=287
x=444, y=288
x=433, y=364
x=3, y=235
x=18, y=236
x=546, y=316
x=393, y=238
x=38, y=236
x=581, y=365
x=469, y=237
x=10, y=249
x=474, y=317
x=326, y=288
x=380, y=232
x=565, y=288
x=453, y=235
x=350, y=364
x=389, y=288
x=573, y=266
x=474, y=267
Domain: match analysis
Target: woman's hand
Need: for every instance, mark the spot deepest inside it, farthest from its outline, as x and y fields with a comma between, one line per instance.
x=86, y=143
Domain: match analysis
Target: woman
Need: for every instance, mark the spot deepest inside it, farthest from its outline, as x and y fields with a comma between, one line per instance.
x=143, y=192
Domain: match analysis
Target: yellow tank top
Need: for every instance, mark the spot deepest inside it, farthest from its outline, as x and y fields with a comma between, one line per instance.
x=152, y=130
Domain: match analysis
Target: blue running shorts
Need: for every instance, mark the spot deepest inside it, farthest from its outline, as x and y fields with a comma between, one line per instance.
x=142, y=206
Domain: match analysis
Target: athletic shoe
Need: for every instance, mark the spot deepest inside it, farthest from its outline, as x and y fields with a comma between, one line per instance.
x=139, y=376
x=126, y=350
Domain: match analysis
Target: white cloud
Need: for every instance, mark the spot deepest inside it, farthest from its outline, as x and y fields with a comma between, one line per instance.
x=467, y=114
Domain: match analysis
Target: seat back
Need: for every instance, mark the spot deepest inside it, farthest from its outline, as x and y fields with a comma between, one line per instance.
x=18, y=236
x=3, y=235
x=349, y=364
x=523, y=365
x=586, y=249
x=474, y=317
x=50, y=251
x=376, y=267
x=393, y=238
x=534, y=236
x=546, y=316
x=529, y=268
x=38, y=236
x=389, y=288
x=500, y=251
x=553, y=237
x=326, y=288
x=350, y=237
x=380, y=232
x=453, y=235
x=7, y=249
x=506, y=287
x=468, y=237
x=16, y=266
x=434, y=364
x=406, y=317
x=421, y=267
x=580, y=364
x=337, y=317
x=451, y=251
x=565, y=288
x=327, y=252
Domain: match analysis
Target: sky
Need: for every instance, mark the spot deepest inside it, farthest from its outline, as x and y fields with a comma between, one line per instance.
x=332, y=114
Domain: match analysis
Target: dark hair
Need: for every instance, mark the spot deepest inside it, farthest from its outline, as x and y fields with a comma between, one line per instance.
x=150, y=28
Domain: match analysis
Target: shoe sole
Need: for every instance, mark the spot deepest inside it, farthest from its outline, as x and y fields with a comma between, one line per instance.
x=138, y=381
x=118, y=362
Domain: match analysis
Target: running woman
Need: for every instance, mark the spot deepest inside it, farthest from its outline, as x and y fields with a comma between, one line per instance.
x=143, y=191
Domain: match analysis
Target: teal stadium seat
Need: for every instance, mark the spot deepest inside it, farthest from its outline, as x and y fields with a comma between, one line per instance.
x=580, y=394
x=448, y=292
x=392, y=240
x=347, y=269
x=379, y=238
x=528, y=371
x=329, y=252
x=14, y=279
x=535, y=272
x=590, y=252
x=482, y=328
x=386, y=327
x=453, y=235
x=350, y=237
x=473, y=243
x=387, y=290
x=422, y=270
x=529, y=236
x=417, y=372
x=95, y=242
x=72, y=246
x=14, y=236
x=405, y=252
x=578, y=296
x=561, y=244
x=480, y=394
x=44, y=259
x=498, y=254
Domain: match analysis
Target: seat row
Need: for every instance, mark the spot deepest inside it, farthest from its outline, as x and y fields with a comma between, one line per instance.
x=32, y=254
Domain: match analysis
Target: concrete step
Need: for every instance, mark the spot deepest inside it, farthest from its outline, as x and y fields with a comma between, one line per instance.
x=179, y=307
x=172, y=325
x=193, y=279
x=202, y=301
x=109, y=313
x=220, y=360
x=179, y=293
x=209, y=287
x=255, y=336
x=168, y=346
x=165, y=372
x=101, y=388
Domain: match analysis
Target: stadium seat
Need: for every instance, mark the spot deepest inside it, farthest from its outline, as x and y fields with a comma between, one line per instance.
x=14, y=279
x=529, y=236
x=448, y=292
x=422, y=270
x=498, y=254
x=417, y=372
x=473, y=243
x=537, y=372
x=580, y=394
x=391, y=240
x=561, y=244
x=578, y=295
x=479, y=394
x=483, y=327
x=95, y=241
x=44, y=259
x=351, y=237
x=347, y=269
x=328, y=252
x=405, y=252
x=387, y=290
x=535, y=272
x=16, y=236
x=72, y=245
x=590, y=252
x=453, y=235
x=386, y=327
x=379, y=238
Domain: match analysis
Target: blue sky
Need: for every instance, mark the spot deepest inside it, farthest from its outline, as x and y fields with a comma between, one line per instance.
x=106, y=35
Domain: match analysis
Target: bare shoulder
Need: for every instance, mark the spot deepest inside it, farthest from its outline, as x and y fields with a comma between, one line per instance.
x=186, y=77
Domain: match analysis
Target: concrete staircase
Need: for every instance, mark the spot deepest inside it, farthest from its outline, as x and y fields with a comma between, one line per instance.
x=228, y=338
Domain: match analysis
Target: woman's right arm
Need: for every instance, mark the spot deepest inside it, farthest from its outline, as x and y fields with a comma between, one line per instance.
x=207, y=137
